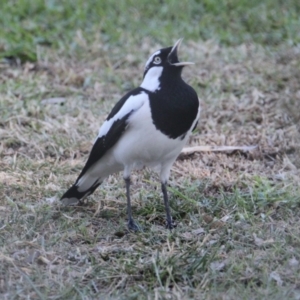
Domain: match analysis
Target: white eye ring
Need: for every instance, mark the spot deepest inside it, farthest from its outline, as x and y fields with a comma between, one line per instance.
x=157, y=60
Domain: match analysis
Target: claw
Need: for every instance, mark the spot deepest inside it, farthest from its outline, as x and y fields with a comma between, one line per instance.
x=170, y=225
x=132, y=226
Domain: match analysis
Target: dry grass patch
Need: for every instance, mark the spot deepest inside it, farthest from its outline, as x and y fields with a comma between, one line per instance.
x=237, y=213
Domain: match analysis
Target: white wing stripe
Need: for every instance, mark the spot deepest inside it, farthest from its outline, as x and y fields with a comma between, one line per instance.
x=133, y=103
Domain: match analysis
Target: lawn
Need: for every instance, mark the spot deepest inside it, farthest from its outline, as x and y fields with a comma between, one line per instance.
x=64, y=64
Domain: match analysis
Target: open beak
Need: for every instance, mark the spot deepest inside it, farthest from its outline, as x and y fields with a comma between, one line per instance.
x=173, y=57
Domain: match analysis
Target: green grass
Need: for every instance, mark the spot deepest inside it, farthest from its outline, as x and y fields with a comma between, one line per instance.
x=237, y=213
x=72, y=254
x=27, y=24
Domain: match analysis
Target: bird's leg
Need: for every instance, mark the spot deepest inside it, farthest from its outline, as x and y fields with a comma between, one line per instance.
x=81, y=203
x=170, y=224
x=131, y=223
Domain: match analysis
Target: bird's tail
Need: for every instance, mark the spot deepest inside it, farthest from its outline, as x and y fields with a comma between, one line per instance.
x=76, y=194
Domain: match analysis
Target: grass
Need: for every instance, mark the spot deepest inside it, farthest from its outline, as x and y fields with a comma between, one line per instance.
x=27, y=24
x=237, y=213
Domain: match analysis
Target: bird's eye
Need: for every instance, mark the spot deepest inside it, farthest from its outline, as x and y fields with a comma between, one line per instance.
x=157, y=60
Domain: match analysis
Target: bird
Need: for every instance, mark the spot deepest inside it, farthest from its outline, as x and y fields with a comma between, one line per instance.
x=147, y=127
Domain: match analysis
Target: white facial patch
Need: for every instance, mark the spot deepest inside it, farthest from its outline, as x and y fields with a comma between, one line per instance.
x=150, y=59
x=151, y=80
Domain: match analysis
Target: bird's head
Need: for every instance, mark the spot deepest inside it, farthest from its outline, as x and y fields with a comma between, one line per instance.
x=162, y=61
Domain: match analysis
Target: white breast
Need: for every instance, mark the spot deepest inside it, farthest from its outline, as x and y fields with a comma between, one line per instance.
x=143, y=145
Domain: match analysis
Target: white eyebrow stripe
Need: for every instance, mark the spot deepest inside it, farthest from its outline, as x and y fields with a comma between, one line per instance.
x=151, y=58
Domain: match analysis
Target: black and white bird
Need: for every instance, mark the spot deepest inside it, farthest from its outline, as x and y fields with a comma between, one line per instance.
x=148, y=127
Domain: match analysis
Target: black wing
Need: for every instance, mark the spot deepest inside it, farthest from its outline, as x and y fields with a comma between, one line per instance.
x=103, y=144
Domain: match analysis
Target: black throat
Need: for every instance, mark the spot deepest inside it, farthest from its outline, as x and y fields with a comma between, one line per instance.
x=174, y=106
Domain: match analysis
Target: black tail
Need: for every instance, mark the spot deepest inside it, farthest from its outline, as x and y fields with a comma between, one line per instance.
x=72, y=196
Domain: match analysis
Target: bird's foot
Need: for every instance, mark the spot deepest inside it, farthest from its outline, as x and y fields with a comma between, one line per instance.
x=81, y=203
x=132, y=226
x=170, y=224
